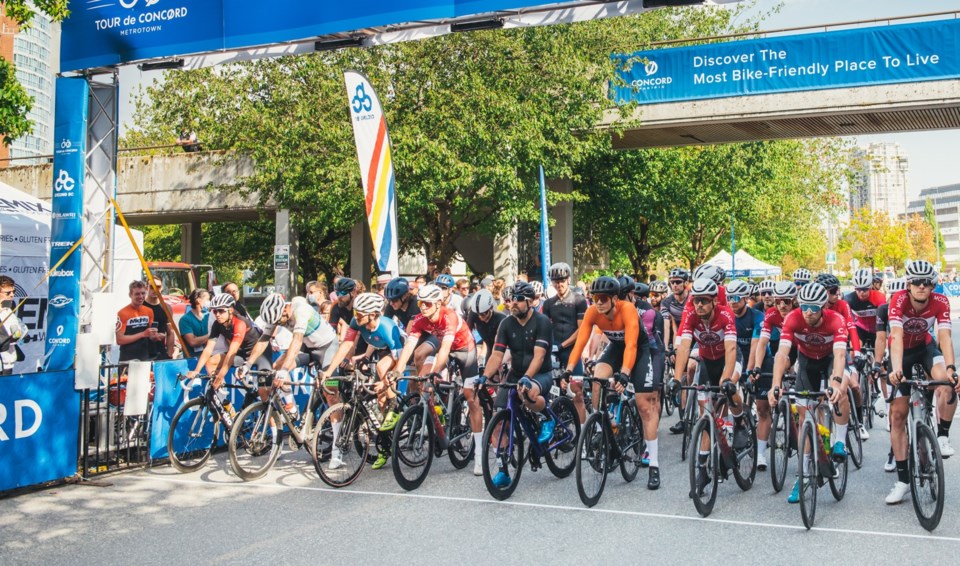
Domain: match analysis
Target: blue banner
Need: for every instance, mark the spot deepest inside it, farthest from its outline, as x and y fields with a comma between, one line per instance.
x=951, y=289
x=545, y=260
x=66, y=225
x=39, y=427
x=891, y=54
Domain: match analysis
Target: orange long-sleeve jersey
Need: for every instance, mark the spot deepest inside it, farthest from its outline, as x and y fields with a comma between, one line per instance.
x=623, y=327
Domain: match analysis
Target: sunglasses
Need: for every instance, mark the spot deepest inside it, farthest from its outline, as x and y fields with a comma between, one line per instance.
x=785, y=302
x=833, y=290
x=676, y=281
x=702, y=300
x=464, y=288
x=343, y=293
x=766, y=293
x=357, y=315
x=518, y=299
x=924, y=283
x=219, y=311
x=425, y=304
x=862, y=289
x=602, y=299
x=734, y=298
x=810, y=308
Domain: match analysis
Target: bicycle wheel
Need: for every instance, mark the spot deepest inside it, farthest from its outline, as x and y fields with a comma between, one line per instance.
x=413, y=443
x=780, y=444
x=853, y=441
x=926, y=471
x=461, y=446
x=807, y=456
x=192, y=435
x=593, y=452
x=255, y=441
x=630, y=438
x=704, y=468
x=689, y=410
x=561, y=455
x=746, y=469
x=348, y=448
x=502, y=454
x=866, y=401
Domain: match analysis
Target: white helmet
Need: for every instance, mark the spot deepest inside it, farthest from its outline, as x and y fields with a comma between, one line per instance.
x=537, y=288
x=862, y=279
x=704, y=287
x=813, y=294
x=920, y=269
x=223, y=301
x=898, y=284
x=739, y=288
x=482, y=301
x=430, y=293
x=710, y=271
x=766, y=285
x=659, y=286
x=785, y=290
x=369, y=303
x=802, y=275
x=272, y=308
x=558, y=271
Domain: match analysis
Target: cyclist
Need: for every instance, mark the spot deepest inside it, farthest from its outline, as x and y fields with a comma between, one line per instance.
x=801, y=276
x=881, y=355
x=853, y=355
x=821, y=338
x=447, y=284
x=658, y=290
x=626, y=359
x=527, y=334
x=342, y=311
x=749, y=321
x=913, y=313
x=671, y=307
x=402, y=303
x=864, y=303
x=453, y=342
x=484, y=319
x=765, y=289
x=652, y=322
x=878, y=281
x=566, y=311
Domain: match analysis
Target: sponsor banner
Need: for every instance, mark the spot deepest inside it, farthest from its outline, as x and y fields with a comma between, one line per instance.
x=66, y=226
x=39, y=427
x=951, y=289
x=891, y=54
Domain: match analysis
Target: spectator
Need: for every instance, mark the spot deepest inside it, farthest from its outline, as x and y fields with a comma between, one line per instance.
x=382, y=281
x=195, y=323
x=11, y=330
x=463, y=287
x=487, y=283
x=233, y=290
x=325, y=307
x=134, y=325
x=316, y=293
x=162, y=346
x=497, y=291
x=188, y=141
x=417, y=283
x=522, y=276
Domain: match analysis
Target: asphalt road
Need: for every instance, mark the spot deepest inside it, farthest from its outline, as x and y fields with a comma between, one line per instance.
x=158, y=516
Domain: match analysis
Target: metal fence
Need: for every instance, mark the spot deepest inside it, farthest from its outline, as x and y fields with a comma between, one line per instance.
x=109, y=439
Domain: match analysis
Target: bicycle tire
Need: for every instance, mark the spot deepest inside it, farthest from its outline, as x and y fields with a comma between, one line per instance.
x=352, y=443
x=513, y=460
x=926, y=473
x=413, y=442
x=853, y=441
x=593, y=453
x=688, y=423
x=780, y=444
x=746, y=469
x=198, y=435
x=703, y=500
x=461, y=446
x=561, y=459
x=866, y=401
x=809, y=479
x=632, y=445
x=254, y=445
x=667, y=400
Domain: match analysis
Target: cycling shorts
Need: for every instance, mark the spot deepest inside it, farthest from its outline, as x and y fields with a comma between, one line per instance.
x=927, y=355
x=812, y=374
x=544, y=380
x=320, y=357
x=709, y=372
x=643, y=378
x=563, y=355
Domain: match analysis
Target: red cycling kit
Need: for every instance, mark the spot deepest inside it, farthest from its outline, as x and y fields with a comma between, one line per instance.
x=816, y=345
x=449, y=323
x=917, y=325
x=843, y=308
x=712, y=338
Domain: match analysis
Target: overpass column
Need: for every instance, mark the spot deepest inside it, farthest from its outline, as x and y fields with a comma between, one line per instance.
x=286, y=279
x=190, y=240
x=505, y=256
x=561, y=237
x=361, y=246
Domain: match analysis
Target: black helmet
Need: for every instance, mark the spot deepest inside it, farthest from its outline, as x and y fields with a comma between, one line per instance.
x=345, y=286
x=827, y=280
x=605, y=285
x=626, y=285
x=641, y=289
x=396, y=289
x=522, y=289
x=679, y=273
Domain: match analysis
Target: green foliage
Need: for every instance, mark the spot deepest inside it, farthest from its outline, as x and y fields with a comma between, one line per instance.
x=930, y=216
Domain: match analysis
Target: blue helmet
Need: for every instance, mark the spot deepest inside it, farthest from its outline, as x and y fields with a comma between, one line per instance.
x=396, y=289
x=445, y=280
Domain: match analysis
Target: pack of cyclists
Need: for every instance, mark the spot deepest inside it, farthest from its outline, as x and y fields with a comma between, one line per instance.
x=648, y=339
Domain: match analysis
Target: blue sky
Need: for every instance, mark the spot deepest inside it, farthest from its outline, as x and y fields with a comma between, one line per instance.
x=931, y=154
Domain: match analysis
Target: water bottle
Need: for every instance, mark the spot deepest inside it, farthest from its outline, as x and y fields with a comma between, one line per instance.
x=825, y=433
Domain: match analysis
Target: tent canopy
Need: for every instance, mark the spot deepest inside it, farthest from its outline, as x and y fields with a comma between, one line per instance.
x=746, y=265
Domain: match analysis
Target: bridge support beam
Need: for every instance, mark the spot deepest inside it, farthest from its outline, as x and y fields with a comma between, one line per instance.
x=505, y=256
x=361, y=246
x=190, y=242
x=286, y=279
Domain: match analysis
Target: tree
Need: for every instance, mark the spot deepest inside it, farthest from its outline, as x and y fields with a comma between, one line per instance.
x=930, y=216
x=921, y=239
x=875, y=240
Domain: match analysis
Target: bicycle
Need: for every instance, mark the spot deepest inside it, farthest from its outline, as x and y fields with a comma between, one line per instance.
x=853, y=441
x=868, y=391
x=195, y=426
x=924, y=458
x=506, y=434
x=784, y=431
x=722, y=457
x=255, y=444
x=611, y=437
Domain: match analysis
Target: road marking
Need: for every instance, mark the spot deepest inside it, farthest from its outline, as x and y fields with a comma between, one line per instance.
x=543, y=506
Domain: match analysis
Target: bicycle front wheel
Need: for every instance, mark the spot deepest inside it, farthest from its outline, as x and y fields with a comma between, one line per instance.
x=561, y=450
x=255, y=441
x=591, y=461
x=866, y=400
x=926, y=471
x=689, y=410
x=807, y=455
x=413, y=442
x=502, y=456
x=630, y=437
x=745, y=470
x=704, y=466
x=461, y=445
x=192, y=435
x=780, y=444
x=350, y=443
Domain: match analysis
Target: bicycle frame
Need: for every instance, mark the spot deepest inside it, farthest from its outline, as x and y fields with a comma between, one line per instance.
x=522, y=417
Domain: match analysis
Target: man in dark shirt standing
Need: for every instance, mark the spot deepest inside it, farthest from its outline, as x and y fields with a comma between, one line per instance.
x=161, y=347
x=565, y=312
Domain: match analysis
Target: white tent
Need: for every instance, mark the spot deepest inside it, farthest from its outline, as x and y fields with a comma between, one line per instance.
x=25, y=257
x=745, y=265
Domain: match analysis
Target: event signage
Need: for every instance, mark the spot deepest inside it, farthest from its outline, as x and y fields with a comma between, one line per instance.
x=39, y=424
x=66, y=226
x=881, y=55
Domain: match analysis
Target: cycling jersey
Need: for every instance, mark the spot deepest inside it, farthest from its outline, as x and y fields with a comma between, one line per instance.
x=565, y=314
x=386, y=336
x=772, y=323
x=134, y=320
x=403, y=315
x=521, y=339
x=815, y=342
x=916, y=324
x=883, y=318
x=843, y=309
x=652, y=322
x=239, y=330
x=623, y=328
x=671, y=307
x=748, y=328
x=448, y=323
x=864, y=312
x=486, y=330
x=711, y=336
x=304, y=319
x=721, y=300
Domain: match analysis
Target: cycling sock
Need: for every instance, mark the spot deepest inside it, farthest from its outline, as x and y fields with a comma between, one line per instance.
x=943, y=428
x=478, y=444
x=652, y=453
x=762, y=447
x=903, y=475
x=336, y=431
x=841, y=433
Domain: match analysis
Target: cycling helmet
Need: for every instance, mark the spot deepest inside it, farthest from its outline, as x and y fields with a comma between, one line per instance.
x=369, y=303
x=626, y=285
x=658, y=286
x=862, y=279
x=524, y=290
x=898, y=284
x=482, y=301
x=739, y=288
x=812, y=294
x=801, y=275
x=345, y=286
x=271, y=309
x=430, y=293
x=710, y=271
x=785, y=290
x=641, y=289
x=222, y=301
x=444, y=280
x=679, y=273
x=559, y=271
x=766, y=285
x=877, y=276
x=920, y=269
x=827, y=280
x=396, y=289
x=704, y=287
x=605, y=285
x=537, y=288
